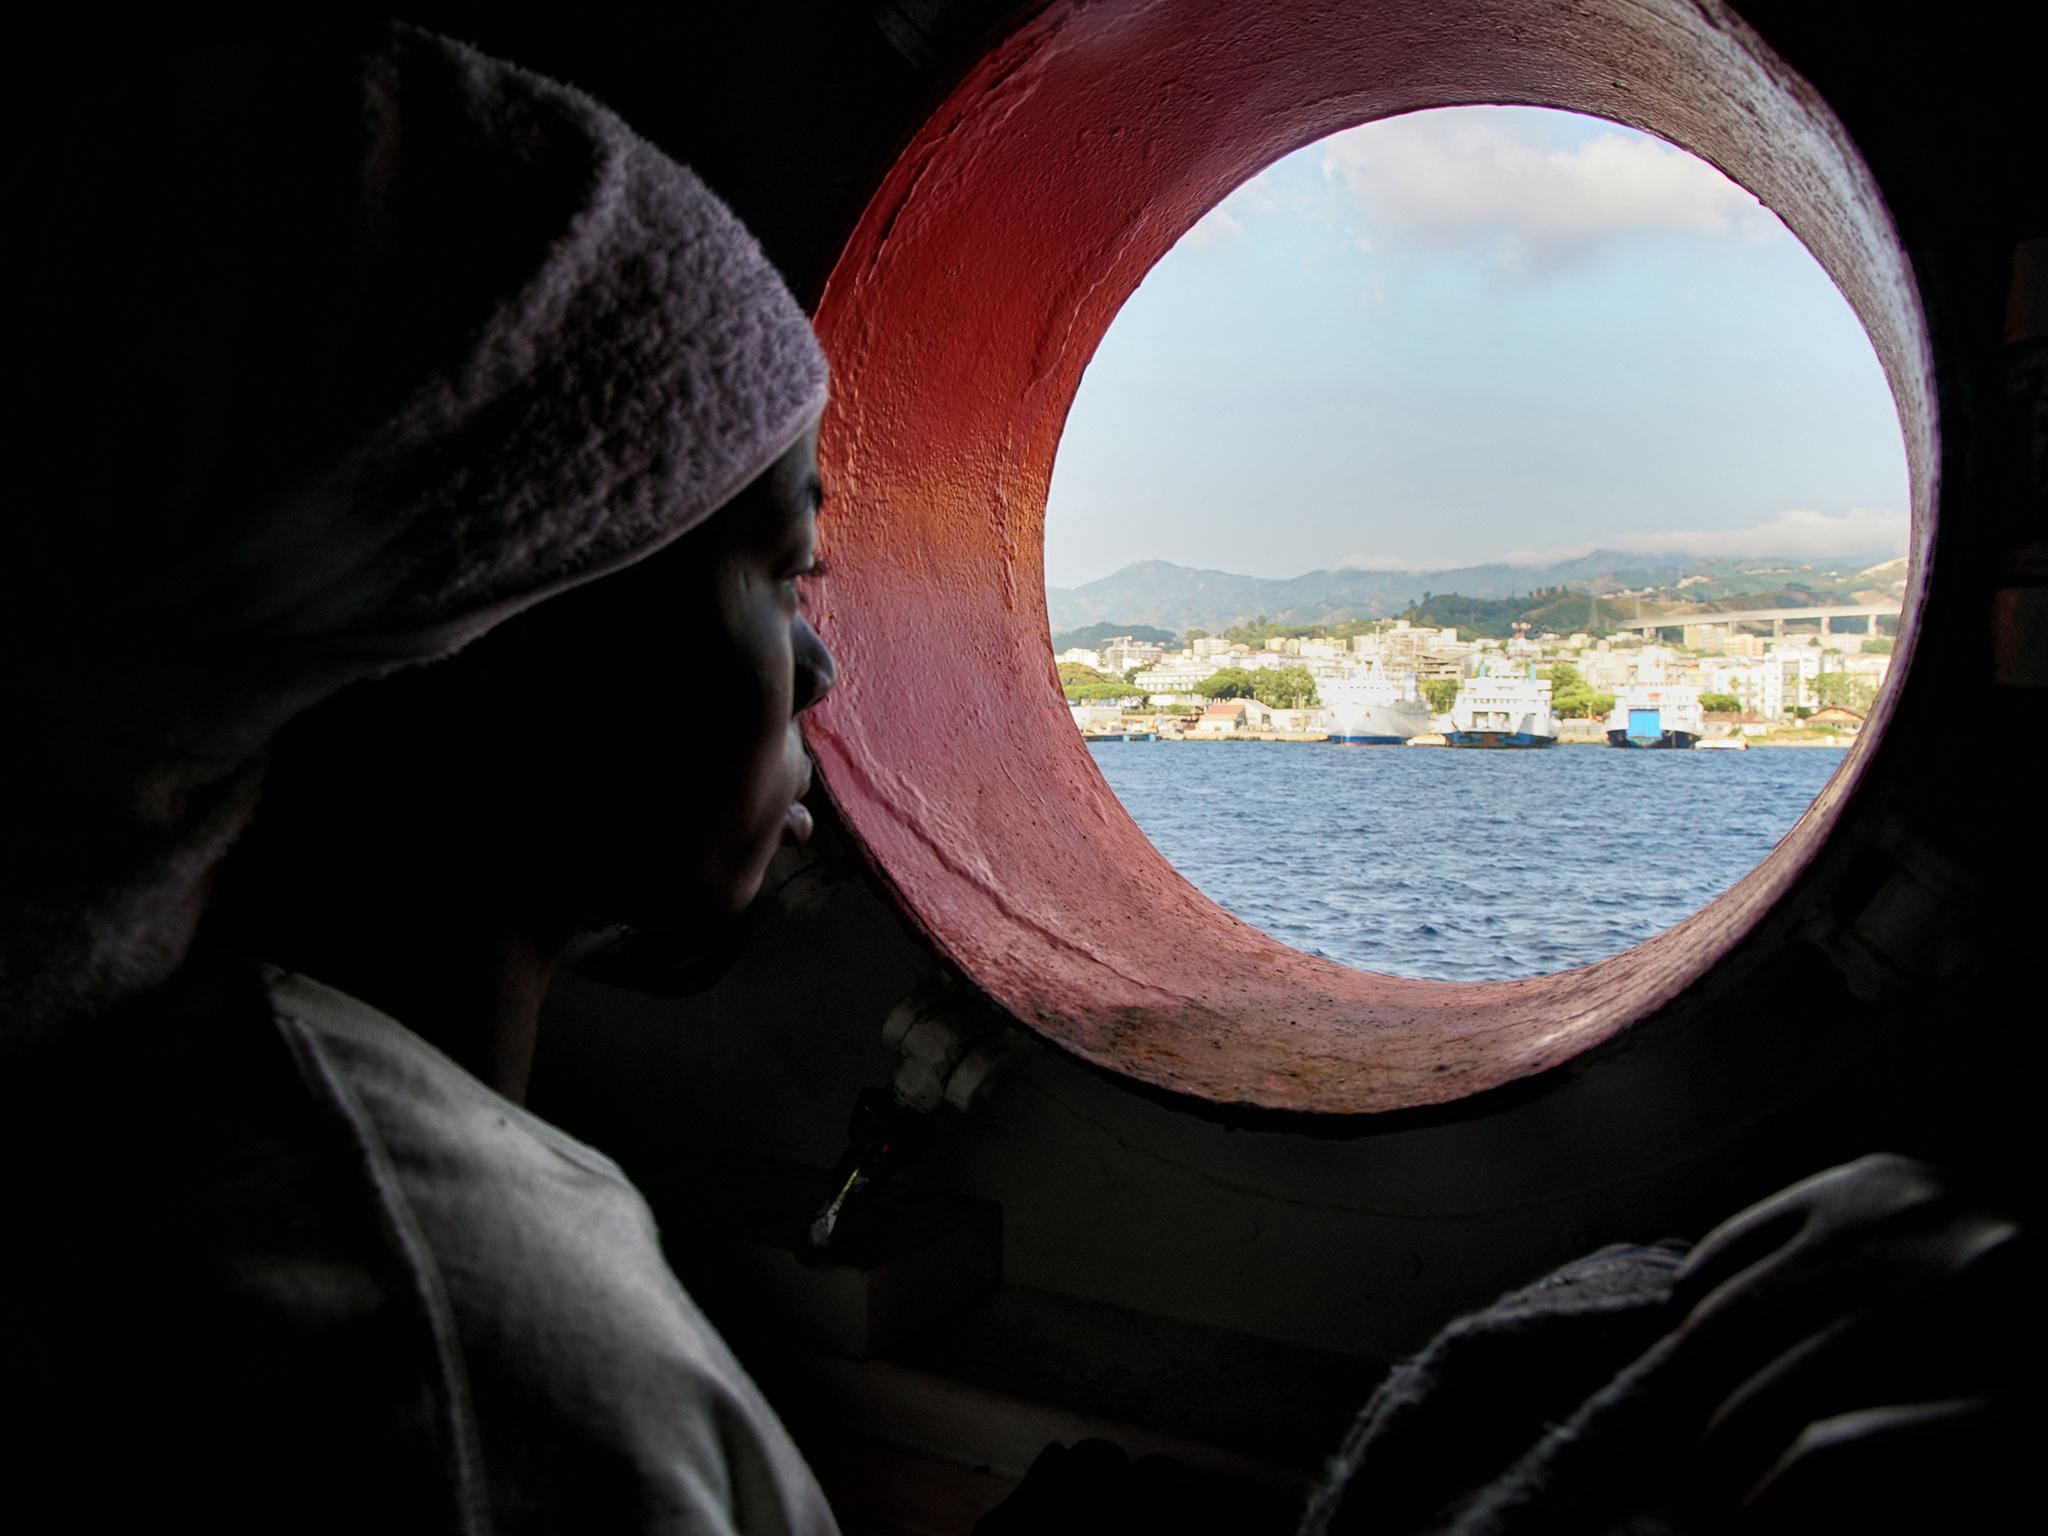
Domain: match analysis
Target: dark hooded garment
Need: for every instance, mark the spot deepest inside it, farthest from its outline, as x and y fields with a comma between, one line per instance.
x=343, y=356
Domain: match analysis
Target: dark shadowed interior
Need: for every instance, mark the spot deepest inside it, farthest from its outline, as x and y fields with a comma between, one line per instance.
x=1183, y=1188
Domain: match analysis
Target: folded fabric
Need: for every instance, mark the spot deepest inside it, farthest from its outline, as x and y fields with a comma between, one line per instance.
x=1542, y=1412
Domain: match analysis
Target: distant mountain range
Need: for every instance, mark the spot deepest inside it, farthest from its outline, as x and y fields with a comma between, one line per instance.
x=1178, y=598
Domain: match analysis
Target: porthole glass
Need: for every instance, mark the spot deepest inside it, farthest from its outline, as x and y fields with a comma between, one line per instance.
x=1475, y=543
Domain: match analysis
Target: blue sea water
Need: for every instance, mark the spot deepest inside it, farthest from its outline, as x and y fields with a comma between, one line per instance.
x=1460, y=865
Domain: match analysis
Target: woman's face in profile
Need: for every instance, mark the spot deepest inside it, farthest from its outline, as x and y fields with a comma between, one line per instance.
x=663, y=765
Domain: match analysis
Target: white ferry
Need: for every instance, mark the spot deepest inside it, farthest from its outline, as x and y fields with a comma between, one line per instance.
x=1656, y=715
x=1493, y=711
x=1372, y=709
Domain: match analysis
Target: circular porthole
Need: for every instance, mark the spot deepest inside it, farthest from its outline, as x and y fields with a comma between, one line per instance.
x=1476, y=426
x=960, y=316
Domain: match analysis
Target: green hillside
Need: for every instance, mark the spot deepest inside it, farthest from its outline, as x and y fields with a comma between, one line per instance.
x=1089, y=636
x=1495, y=618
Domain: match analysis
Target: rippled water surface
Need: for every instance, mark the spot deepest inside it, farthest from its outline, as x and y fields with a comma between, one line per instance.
x=1461, y=865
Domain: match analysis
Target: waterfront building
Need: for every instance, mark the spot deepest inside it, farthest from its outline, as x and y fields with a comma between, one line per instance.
x=1233, y=717
x=1772, y=685
x=1123, y=653
x=1758, y=685
x=1738, y=722
x=1172, y=680
x=1097, y=715
x=1605, y=671
x=1453, y=660
x=1797, y=665
x=1403, y=647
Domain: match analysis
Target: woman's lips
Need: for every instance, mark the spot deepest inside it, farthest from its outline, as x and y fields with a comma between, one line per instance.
x=796, y=821
x=796, y=824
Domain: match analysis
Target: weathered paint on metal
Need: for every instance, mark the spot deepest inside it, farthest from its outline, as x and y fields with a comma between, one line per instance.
x=959, y=318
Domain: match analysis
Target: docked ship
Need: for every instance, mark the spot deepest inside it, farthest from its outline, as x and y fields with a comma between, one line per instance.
x=1374, y=710
x=1494, y=711
x=1656, y=715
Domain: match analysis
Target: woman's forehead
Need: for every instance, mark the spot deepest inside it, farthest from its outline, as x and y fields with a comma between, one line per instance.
x=780, y=503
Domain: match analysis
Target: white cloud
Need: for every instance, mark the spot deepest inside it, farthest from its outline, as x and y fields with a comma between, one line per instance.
x=1486, y=177
x=1264, y=194
x=1863, y=531
x=1225, y=223
x=1219, y=226
x=1387, y=563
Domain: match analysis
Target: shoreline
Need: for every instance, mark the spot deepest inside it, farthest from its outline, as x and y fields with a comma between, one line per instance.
x=1757, y=743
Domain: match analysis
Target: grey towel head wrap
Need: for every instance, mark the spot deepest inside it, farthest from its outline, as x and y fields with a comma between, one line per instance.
x=343, y=359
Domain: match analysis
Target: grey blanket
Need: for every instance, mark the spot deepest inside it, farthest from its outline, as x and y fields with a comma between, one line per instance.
x=1546, y=1411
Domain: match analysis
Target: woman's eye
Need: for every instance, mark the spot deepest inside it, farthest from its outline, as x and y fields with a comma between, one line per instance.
x=803, y=580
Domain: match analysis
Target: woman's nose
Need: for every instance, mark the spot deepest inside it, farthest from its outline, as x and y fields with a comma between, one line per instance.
x=816, y=671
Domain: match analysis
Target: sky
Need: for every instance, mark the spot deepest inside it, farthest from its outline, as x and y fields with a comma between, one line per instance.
x=1478, y=334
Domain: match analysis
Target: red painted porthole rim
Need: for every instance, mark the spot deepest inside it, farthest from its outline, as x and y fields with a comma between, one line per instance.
x=959, y=318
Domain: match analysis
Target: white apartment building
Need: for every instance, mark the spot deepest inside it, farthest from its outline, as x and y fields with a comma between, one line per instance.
x=1123, y=653
x=1606, y=671
x=1797, y=667
x=1655, y=663
x=1774, y=684
x=1173, y=679
x=1401, y=642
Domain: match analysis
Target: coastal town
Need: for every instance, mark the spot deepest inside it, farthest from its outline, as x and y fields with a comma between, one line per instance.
x=1705, y=683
